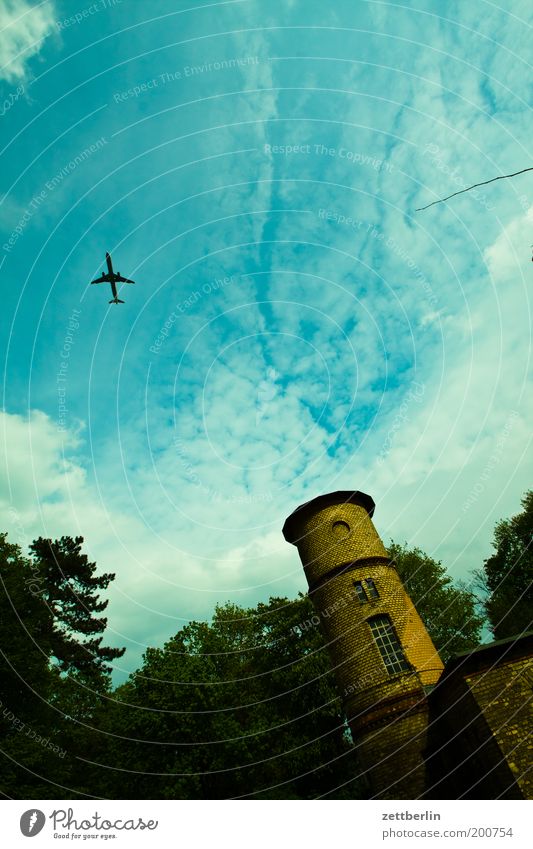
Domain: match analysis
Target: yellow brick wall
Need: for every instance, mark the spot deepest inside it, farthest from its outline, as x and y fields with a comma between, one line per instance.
x=354, y=652
x=319, y=547
x=392, y=755
x=387, y=713
x=480, y=742
x=503, y=693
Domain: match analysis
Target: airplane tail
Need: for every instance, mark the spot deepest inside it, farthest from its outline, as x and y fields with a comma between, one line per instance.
x=117, y=301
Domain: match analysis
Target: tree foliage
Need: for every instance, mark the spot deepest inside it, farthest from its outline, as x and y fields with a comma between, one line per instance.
x=449, y=611
x=52, y=678
x=507, y=576
x=243, y=706
x=68, y=587
x=25, y=624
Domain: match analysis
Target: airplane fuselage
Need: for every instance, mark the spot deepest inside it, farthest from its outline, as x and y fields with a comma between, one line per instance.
x=112, y=275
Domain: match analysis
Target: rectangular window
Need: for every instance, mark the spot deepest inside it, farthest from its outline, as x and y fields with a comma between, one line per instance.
x=371, y=588
x=388, y=644
x=360, y=590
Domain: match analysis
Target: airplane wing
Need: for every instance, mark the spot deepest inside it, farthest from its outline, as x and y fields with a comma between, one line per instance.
x=103, y=279
x=120, y=279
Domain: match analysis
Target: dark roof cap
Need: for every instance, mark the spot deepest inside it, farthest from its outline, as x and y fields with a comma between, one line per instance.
x=340, y=497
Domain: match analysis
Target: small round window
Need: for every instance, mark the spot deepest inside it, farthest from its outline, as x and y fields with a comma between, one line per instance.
x=341, y=529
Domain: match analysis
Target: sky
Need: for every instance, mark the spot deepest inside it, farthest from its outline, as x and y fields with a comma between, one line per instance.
x=296, y=326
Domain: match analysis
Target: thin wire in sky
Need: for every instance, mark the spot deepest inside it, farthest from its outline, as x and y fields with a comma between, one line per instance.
x=484, y=183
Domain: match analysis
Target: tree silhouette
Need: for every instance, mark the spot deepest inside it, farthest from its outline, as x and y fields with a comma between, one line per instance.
x=507, y=575
x=68, y=588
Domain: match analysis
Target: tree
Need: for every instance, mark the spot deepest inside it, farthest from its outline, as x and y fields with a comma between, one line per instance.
x=24, y=635
x=448, y=611
x=68, y=588
x=51, y=681
x=26, y=680
x=243, y=706
x=507, y=575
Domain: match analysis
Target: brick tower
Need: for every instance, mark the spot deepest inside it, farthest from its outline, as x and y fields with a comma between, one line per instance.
x=383, y=657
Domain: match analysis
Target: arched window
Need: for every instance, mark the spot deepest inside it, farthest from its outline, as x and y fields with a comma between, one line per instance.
x=388, y=644
x=360, y=590
x=371, y=588
x=366, y=590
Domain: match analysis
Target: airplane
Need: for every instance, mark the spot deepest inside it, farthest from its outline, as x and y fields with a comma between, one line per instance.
x=113, y=278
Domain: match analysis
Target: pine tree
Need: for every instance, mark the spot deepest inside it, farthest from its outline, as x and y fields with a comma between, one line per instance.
x=69, y=589
x=25, y=625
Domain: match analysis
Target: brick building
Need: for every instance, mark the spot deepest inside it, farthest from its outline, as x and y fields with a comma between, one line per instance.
x=421, y=730
x=481, y=741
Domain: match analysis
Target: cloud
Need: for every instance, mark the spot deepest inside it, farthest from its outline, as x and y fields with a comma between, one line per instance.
x=23, y=28
x=165, y=572
x=185, y=492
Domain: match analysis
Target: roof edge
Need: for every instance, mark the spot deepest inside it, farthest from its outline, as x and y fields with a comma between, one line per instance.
x=490, y=654
x=340, y=497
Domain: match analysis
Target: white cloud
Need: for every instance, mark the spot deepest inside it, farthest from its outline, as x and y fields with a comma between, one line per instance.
x=459, y=461
x=196, y=553
x=347, y=320
x=23, y=28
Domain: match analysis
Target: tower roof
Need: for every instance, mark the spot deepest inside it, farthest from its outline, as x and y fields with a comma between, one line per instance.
x=342, y=496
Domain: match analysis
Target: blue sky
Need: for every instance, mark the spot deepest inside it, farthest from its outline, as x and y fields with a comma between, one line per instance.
x=296, y=327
